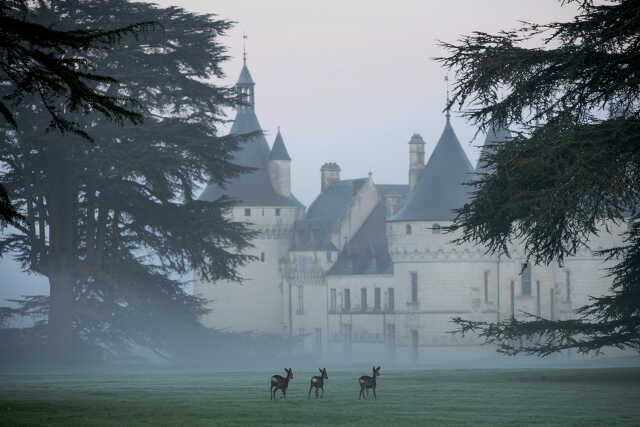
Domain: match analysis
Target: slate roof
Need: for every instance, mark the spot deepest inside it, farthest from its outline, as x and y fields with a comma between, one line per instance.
x=245, y=76
x=253, y=188
x=368, y=251
x=279, y=151
x=494, y=136
x=440, y=189
x=324, y=214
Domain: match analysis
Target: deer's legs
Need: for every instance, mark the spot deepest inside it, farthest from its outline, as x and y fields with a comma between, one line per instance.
x=374, y=394
x=309, y=395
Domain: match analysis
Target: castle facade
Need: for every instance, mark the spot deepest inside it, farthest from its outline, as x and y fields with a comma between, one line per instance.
x=367, y=268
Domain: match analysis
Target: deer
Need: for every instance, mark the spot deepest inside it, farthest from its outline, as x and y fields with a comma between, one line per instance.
x=318, y=382
x=366, y=382
x=280, y=382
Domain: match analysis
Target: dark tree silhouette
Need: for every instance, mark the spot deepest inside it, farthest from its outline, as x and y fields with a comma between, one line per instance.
x=575, y=164
x=54, y=65
x=111, y=223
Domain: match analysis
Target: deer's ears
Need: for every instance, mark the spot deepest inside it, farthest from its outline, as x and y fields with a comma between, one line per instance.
x=321, y=370
x=378, y=368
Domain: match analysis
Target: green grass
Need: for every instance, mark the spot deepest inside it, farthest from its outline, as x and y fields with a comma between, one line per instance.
x=602, y=397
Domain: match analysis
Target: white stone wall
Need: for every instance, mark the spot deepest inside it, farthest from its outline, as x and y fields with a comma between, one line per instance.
x=361, y=207
x=256, y=304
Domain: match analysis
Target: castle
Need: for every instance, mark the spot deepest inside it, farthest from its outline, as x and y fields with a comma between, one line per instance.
x=366, y=267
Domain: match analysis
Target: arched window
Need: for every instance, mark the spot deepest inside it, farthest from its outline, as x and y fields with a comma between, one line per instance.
x=435, y=229
x=408, y=228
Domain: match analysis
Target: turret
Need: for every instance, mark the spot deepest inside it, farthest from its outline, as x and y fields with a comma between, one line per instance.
x=329, y=172
x=416, y=159
x=279, y=167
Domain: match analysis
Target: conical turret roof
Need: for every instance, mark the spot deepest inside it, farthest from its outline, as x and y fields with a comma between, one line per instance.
x=440, y=189
x=494, y=136
x=252, y=188
x=279, y=151
x=245, y=76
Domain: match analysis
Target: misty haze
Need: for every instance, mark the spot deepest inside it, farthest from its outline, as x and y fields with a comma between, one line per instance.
x=346, y=213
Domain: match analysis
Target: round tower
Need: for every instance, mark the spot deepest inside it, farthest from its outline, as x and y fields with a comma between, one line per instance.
x=279, y=167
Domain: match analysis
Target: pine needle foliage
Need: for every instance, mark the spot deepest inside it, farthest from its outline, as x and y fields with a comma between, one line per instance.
x=115, y=224
x=573, y=166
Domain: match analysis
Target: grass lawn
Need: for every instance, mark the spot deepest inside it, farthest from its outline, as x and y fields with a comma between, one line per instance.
x=602, y=397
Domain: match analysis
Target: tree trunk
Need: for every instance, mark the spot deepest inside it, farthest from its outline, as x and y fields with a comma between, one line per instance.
x=61, y=232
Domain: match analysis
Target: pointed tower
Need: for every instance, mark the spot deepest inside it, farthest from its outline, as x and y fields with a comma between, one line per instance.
x=254, y=188
x=279, y=167
x=262, y=199
x=494, y=137
x=440, y=190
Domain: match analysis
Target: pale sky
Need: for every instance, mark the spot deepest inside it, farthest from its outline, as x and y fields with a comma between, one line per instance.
x=350, y=81
x=347, y=81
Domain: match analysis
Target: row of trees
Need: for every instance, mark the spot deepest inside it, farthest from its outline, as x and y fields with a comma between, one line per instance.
x=111, y=120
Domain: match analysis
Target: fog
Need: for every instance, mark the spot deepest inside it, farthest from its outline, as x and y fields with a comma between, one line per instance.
x=131, y=282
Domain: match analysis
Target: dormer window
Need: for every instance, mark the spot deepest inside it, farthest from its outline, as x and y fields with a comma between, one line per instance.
x=277, y=211
x=408, y=228
x=247, y=212
x=435, y=229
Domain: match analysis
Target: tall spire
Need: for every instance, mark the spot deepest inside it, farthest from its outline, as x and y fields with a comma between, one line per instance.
x=245, y=85
x=244, y=48
x=448, y=113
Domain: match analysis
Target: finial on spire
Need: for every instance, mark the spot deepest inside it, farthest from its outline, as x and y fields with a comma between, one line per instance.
x=244, y=48
x=447, y=108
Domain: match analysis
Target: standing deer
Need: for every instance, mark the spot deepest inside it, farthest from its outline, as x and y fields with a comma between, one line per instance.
x=318, y=382
x=279, y=382
x=366, y=382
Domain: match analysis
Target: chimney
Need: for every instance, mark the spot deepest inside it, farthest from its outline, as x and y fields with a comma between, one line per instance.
x=416, y=159
x=329, y=172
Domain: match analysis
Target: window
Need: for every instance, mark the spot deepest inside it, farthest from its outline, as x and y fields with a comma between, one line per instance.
x=300, y=308
x=435, y=229
x=414, y=287
x=247, y=212
x=567, y=282
x=408, y=228
x=486, y=287
x=329, y=256
x=376, y=299
x=363, y=299
x=391, y=303
x=262, y=256
x=332, y=299
x=347, y=300
x=277, y=211
x=525, y=280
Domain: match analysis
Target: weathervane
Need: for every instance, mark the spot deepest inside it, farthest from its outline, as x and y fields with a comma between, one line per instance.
x=446, y=79
x=244, y=48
